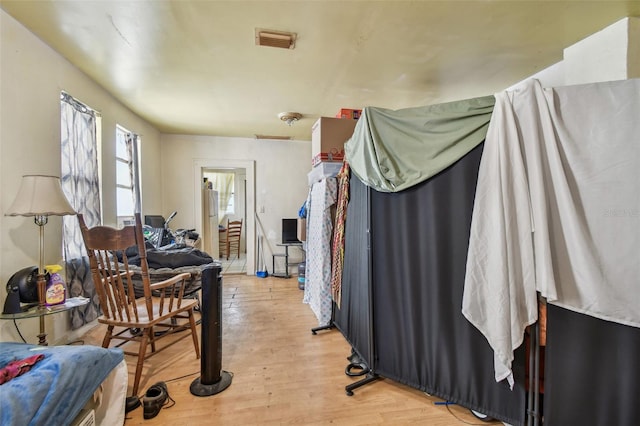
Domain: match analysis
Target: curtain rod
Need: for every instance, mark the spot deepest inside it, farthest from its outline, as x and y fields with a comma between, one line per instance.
x=78, y=105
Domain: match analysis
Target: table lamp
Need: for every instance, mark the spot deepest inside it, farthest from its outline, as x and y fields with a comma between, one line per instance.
x=40, y=196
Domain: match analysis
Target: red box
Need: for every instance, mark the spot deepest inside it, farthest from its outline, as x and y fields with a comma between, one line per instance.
x=334, y=156
x=353, y=114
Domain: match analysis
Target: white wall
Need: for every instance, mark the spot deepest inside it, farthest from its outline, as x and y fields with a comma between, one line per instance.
x=281, y=187
x=31, y=78
x=633, y=59
x=612, y=53
x=600, y=57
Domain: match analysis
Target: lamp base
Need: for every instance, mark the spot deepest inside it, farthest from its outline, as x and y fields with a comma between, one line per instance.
x=42, y=285
x=42, y=339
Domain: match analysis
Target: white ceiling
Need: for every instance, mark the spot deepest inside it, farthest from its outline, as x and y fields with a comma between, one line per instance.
x=192, y=67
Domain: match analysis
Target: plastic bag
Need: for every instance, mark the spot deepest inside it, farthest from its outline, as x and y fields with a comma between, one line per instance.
x=302, y=213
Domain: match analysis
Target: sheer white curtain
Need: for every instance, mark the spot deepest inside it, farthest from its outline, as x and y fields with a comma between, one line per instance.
x=223, y=183
x=131, y=141
x=80, y=183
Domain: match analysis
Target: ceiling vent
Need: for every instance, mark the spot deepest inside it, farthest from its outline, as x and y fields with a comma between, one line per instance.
x=274, y=137
x=272, y=38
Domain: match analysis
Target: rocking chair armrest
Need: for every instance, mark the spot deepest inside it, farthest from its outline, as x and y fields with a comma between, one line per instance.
x=170, y=281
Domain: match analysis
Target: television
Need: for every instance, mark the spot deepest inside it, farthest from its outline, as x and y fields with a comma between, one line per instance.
x=154, y=221
x=290, y=231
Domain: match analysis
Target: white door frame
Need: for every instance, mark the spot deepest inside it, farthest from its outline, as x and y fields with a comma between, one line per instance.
x=250, y=223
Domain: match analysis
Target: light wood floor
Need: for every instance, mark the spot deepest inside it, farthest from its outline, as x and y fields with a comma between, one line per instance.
x=282, y=373
x=235, y=264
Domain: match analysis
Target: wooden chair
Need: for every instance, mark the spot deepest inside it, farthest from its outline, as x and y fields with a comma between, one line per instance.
x=162, y=310
x=232, y=241
x=222, y=241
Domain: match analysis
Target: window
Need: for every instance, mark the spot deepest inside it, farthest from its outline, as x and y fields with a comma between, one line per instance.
x=224, y=183
x=127, y=177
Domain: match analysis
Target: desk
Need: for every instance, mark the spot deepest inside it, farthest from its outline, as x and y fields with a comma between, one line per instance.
x=37, y=312
x=286, y=259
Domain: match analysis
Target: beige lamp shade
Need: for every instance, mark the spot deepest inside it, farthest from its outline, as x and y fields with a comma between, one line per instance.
x=40, y=195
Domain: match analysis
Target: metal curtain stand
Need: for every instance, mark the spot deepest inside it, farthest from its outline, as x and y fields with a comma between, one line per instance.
x=369, y=369
x=533, y=399
x=371, y=376
x=331, y=321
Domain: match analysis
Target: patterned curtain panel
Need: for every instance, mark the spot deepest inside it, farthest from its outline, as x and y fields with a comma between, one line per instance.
x=80, y=184
x=132, y=149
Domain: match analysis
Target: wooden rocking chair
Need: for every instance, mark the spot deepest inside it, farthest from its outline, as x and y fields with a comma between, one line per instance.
x=162, y=310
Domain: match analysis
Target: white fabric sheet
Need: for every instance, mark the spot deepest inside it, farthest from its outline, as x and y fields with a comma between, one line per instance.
x=317, y=287
x=110, y=410
x=557, y=210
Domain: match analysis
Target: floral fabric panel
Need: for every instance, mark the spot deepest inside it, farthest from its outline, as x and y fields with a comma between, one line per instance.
x=317, y=289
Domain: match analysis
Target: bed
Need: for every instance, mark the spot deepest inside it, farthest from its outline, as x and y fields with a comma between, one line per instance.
x=166, y=263
x=192, y=285
x=65, y=384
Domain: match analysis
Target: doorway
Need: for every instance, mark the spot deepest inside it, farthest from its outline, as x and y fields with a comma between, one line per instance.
x=242, y=205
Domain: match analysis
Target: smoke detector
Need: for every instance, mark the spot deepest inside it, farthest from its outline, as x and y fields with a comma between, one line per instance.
x=280, y=39
x=290, y=117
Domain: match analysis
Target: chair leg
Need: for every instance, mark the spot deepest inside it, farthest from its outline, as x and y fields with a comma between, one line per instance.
x=152, y=339
x=192, y=322
x=142, y=350
x=107, y=337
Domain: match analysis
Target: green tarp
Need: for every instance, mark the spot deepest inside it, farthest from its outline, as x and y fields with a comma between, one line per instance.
x=393, y=150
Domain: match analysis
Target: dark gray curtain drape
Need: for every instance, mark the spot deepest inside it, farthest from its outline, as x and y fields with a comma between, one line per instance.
x=420, y=238
x=418, y=246
x=353, y=317
x=592, y=374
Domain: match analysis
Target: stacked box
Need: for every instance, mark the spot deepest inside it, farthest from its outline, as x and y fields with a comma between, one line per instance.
x=328, y=136
x=352, y=114
x=335, y=156
x=302, y=229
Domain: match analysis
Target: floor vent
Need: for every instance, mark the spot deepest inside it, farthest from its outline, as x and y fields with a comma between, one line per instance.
x=280, y=39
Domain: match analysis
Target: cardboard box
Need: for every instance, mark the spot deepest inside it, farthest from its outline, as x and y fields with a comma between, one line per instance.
x=302, y=229
x=352, y=114
x=329, y=134
x=330, y=157
x=322, y=171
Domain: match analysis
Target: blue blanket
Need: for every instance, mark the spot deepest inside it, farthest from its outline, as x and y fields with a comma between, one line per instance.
x=54, y=391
